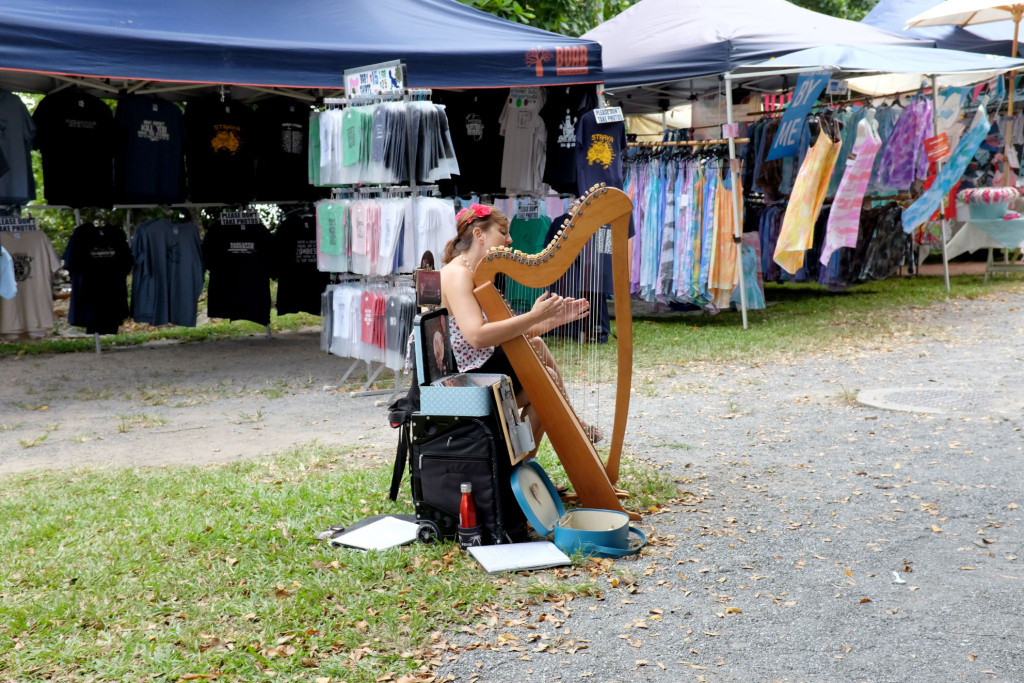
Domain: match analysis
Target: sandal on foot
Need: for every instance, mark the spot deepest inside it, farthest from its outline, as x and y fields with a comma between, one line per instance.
x=593, y=433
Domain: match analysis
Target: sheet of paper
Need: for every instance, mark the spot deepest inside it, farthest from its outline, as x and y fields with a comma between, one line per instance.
x=519, y=556
x=384, y=533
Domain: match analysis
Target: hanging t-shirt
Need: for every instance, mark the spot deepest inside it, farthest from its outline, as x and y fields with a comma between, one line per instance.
x=476, y=137
x=149, y=161
x=599, y=150
x=75, y=135
x=528, y=237
x=17, y=185
x=561, y=114
x=167, y=278
x=522, y=163
x=35, y=262
x=221, y=151
x=99, y=260
x=240, y=261
x=282, y=150
x=299, y=283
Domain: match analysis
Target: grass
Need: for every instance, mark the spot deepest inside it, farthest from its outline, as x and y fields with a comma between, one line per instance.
x=219, y=329
x=130, y=574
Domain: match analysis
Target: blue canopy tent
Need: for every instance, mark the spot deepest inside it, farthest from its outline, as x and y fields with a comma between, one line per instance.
x=268, y=44
x=892, y=15
x=659, y=52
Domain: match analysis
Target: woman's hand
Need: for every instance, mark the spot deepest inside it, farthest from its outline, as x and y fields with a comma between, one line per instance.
x=573, y=309
x=548, y=306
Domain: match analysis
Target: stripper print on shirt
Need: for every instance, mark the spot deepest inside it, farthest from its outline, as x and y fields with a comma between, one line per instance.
x=600, y=150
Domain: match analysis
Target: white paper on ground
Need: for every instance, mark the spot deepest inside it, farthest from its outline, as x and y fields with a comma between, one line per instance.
x=387, y=532
x=519, y=556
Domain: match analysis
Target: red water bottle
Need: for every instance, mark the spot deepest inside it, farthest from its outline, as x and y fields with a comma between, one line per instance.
x=469, y=530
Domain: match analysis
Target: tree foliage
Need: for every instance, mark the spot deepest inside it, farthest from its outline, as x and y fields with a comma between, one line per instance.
x=576, y=17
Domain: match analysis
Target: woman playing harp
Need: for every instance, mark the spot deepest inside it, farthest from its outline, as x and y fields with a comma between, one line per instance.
x=474, y=339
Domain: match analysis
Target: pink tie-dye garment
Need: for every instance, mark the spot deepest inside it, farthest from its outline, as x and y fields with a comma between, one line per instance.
x=844, y=219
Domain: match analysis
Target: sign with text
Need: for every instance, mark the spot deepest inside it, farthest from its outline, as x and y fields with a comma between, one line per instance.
x=937, y=148
x=787, y=139
x=375, y=79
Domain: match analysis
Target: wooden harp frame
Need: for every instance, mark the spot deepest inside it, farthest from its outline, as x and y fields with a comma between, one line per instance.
x=592, y=479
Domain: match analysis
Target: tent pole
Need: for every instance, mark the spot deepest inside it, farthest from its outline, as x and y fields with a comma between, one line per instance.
x=938, y=165
x=734, y=171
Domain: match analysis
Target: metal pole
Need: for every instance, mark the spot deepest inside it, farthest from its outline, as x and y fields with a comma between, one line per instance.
x=734, y=171
x=938, y=165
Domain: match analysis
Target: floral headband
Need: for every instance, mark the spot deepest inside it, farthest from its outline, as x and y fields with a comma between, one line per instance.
x=479, y=210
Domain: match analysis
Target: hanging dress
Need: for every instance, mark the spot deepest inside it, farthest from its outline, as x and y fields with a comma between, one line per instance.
x=844, y=219
x=724, y=273
x=797, y=233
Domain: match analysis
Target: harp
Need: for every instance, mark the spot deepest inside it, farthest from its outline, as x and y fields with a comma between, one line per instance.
x=592, y=479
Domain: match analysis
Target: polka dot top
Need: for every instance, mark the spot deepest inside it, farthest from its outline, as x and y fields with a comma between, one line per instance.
x=466, y=357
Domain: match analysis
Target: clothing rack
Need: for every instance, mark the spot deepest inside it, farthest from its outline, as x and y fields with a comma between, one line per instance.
x=685, y=143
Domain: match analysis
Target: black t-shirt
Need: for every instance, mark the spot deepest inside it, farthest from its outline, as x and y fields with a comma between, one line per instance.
x=99, y=260
x=299, y=283
x=75, y=135
x=561, y=113
x=282, y=150
x=149, y=166
x=221, y=151
x=240, y=261
x=599, y=150
x=479, y=146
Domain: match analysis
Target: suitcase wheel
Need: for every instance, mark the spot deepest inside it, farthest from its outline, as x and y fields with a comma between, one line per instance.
x=428, y=532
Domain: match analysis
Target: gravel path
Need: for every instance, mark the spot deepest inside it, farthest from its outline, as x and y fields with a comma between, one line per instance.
x=818, y=539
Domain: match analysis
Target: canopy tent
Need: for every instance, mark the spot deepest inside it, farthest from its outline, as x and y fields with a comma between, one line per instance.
x=847, y=61
x=892, y=15
x=268, y=44
x=654, y=51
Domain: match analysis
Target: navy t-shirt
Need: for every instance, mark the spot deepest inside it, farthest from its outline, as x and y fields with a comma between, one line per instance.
x=599, y=150
x=75, y=135
x=149, y=166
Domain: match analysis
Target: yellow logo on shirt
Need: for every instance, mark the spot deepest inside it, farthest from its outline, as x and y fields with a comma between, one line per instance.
x=600, y=150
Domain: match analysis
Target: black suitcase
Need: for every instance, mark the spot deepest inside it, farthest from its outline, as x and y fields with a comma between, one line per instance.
x=447, y=451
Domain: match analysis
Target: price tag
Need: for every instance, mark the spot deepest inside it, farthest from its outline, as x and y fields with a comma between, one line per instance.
x=731, y=130
x=837, y=87
x=608, y=115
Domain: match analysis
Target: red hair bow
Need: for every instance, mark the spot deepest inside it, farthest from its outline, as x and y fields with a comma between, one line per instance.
x=479, y=210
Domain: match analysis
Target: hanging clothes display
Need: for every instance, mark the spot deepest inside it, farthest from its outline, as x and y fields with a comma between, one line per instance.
x=99, y=261
x=476, y=138
x=951, y=171
x=561, y=114
x=149, y=157
x=75, y=136
x=241, y=263
x=723, y=274
x=30, y=310
x=167, y=276
x=381, y=236
x=904, y=160
x=805, y=202
x=369, y=321
x=844, y=217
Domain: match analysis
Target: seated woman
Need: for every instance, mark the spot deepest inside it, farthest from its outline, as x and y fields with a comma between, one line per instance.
x=474, y=339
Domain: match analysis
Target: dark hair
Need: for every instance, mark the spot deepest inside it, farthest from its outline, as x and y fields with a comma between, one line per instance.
x=464, y=230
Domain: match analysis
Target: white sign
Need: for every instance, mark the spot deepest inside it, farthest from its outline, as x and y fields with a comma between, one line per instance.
x=608, y=115
x=375, y=79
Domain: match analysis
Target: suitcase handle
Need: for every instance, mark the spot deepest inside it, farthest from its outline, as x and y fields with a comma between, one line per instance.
x=609, y=551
